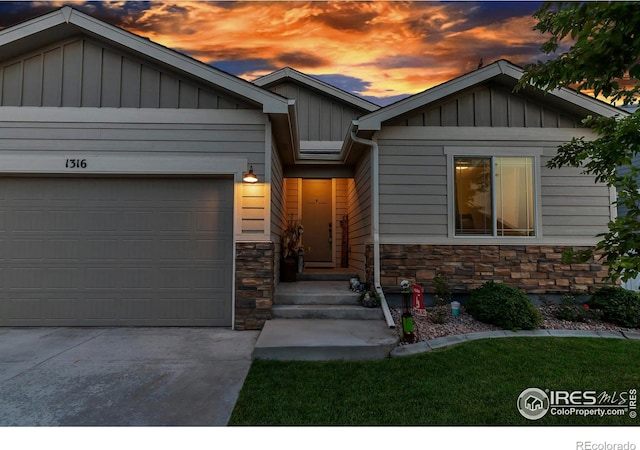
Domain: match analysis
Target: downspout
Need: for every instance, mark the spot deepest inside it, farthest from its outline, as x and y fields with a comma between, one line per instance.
x=375, y=220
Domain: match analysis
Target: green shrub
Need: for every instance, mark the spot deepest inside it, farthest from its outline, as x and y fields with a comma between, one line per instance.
x=503, y=306
x=618, y=306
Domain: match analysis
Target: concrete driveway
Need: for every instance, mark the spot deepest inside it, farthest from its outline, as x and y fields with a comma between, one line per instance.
x=121, y=376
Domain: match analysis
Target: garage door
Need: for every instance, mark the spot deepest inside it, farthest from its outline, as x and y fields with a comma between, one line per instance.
x=106, y=251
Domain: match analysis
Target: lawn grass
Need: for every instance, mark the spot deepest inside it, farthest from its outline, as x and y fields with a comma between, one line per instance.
x=474, y=383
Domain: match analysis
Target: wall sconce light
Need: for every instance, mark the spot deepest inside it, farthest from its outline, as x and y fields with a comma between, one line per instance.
x=250, y=177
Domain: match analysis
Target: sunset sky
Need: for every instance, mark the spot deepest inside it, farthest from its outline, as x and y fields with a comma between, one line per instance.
x=381, y=51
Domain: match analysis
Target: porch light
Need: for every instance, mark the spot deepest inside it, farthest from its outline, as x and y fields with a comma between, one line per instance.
x=250, y=177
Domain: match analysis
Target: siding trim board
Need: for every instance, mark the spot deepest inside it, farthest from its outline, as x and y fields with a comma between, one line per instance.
x=62, y=116
x=109, y=164
x=453, y=136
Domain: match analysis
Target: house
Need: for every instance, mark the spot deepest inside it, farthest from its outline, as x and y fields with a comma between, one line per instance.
x=123, y=200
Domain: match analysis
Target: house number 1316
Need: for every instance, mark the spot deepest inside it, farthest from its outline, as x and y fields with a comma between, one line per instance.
x=76, y=164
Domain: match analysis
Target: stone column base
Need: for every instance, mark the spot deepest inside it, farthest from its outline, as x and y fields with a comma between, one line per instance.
x=254, y=284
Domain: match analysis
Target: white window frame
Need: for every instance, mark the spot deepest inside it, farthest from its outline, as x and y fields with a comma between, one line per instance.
x=474, y=151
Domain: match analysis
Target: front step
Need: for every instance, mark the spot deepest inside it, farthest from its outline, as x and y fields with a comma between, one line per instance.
x=325, y=340
x=330, y=300
x=326, y=275
x=315, y=293
x=321, y=320
x=330, y=312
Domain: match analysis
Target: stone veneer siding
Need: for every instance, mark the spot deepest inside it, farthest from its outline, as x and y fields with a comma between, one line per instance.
x=254, y=284
x=536, y=269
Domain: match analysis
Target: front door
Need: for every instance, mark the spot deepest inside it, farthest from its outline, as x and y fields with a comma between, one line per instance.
x=317, y=221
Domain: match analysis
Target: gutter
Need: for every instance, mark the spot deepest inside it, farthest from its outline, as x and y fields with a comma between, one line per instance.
x=375, y=218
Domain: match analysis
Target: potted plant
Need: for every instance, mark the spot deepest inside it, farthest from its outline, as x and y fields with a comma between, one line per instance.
x=291, y=248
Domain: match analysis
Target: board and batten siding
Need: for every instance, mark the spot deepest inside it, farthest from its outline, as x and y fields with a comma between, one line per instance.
x=359, y=200
x=342, y=210
x=292, y=199
x=414, y=204
x=320, y=118
x=278, y=209
x=85, y=72
x=487, y=105
x=140, y=133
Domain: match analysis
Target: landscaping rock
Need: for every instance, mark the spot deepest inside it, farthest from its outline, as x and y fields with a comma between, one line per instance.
x=427, y=330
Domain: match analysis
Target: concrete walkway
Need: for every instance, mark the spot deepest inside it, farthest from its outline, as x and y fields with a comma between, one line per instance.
x=447, y=341
x=325, y=340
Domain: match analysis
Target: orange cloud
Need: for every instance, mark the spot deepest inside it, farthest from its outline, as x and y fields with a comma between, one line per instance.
x=395, y=47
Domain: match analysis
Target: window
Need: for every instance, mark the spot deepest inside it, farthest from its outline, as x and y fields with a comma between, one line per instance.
x=494, y=196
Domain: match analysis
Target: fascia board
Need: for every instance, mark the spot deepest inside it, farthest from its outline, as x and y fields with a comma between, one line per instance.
x=348, y=141
x=333, y=91
x=589, y=103
x=584, y=101
x=285, y=132
x=293, y=127
x=30, y=27
x=272, y=103
x=271, y=78
x=321, y=86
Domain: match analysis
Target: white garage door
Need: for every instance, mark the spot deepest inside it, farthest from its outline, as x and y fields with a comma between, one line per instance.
x=116, y=251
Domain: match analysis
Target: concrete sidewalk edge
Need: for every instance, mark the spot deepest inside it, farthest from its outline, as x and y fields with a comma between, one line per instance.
x=447, y=341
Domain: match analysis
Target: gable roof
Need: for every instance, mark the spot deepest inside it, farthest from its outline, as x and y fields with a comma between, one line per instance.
x=287, y=73
x=66, y=22
x=499, y=69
